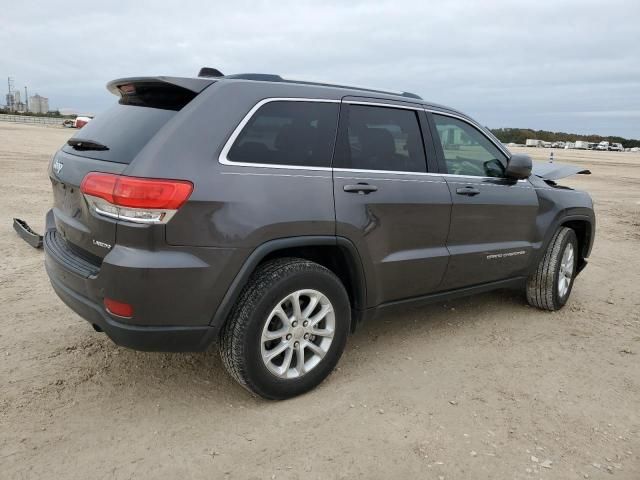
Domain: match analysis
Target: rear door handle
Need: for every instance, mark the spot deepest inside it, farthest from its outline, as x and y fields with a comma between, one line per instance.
x=468, y=190
x=361, y=188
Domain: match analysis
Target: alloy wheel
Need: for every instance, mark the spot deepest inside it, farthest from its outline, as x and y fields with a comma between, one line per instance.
x=566, y=270
x=297, y=333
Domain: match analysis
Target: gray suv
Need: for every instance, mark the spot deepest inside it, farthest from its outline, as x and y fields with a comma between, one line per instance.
x=272, y=216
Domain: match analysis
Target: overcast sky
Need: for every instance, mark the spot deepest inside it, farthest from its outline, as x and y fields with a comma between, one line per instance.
x=555, y=65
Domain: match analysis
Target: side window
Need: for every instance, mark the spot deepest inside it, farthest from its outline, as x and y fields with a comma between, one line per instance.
x=380, y=138
x=467, y=151
x=288, y=133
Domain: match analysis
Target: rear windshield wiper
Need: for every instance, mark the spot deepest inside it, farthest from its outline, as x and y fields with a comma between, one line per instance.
x=81, y=144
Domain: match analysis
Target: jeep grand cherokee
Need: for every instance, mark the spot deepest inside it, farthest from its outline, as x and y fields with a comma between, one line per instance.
x=270, y=216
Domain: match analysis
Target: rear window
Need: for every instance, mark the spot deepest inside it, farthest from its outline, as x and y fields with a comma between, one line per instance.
x=380, y=138
x=123, y=129
x=288, y=133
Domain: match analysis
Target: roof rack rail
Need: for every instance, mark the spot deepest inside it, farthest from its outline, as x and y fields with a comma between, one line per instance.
x=352, y=87
x=261, y=77
x=267, y=77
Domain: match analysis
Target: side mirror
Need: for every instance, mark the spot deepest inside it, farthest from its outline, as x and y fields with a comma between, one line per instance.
x=519, y=166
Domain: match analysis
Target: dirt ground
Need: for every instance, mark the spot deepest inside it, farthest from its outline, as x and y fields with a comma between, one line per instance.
x=481, y=388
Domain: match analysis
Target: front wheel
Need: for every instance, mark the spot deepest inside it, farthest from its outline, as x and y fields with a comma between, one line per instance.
x=550, y=285
x=287, y=330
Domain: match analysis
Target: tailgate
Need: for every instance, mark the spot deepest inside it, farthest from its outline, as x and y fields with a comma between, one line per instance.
x=108, y=144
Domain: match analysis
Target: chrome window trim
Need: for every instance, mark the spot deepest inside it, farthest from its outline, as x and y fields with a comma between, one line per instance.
x=510, y=185
x=277, y=174
x=223, y=158
x=431, y=174
x=477, y=176
x=396, y=179
x=386, y=172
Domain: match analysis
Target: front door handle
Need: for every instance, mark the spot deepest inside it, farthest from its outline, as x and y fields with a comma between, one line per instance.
x=361, y=188
x=468, y=190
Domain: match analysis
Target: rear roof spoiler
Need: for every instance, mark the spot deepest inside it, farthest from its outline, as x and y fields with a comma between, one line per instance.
x=196, y=85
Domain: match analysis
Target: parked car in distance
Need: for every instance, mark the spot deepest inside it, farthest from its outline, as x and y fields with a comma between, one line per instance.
x=272, y=216
x=616, y=147
x=77, y=122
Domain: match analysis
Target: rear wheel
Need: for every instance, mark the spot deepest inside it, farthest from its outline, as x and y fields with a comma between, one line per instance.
x=287, y=330
x=550, y=285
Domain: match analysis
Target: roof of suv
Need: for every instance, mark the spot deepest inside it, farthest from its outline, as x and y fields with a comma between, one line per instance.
x=197, y=84
x=277, y=78
x=348, y=89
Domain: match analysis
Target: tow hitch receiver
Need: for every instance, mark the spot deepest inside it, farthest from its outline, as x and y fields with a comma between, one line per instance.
x=28, y=235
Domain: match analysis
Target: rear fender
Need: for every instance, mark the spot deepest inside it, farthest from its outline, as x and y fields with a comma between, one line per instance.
x=267, y=248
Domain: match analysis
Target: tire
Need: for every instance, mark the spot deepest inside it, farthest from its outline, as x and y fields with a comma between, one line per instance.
x=278, y=283
x=545, y=288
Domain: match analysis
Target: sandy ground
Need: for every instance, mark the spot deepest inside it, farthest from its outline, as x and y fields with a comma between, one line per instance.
x=484, y=387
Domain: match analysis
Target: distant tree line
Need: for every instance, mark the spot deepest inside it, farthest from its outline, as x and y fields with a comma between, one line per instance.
x=52, y=113
x=520, y=135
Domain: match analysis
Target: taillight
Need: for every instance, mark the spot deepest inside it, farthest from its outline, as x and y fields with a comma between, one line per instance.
x=100, y=185
x=144, y=200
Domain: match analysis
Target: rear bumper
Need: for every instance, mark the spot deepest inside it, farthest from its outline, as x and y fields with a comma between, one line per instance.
x=164, y=339
x=174, y=291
